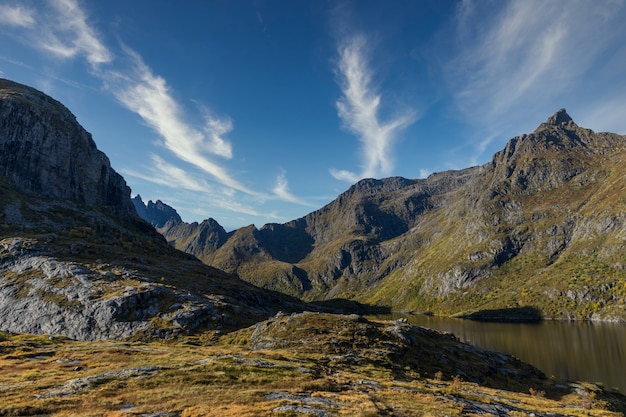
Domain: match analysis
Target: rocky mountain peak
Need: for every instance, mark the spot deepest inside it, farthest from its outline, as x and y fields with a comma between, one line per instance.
x=558, y=119
x=44, y=152
x=157, y=214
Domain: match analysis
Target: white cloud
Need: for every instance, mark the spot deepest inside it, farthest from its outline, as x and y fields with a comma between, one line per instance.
x=172, y=176
x=508, y=56
x=516, y=62
x=215, y=129
x=517, y=54
x=359, y=109
x=197, y=190
x=68, y=34
x=344, y=175
x=148, y=95
x=237, y=207
x=16, y=16
x=144, y=93
x=281, y=190
x=64, y=31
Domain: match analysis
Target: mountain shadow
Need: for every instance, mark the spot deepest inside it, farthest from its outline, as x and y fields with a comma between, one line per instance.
x=526, y=314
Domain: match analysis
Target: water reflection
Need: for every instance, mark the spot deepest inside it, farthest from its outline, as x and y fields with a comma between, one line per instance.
x=585, y=351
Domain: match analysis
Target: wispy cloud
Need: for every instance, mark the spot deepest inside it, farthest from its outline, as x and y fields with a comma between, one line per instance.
x=163, y=173
x=69, y=34
x=16, y=16
x=148, y=95
x=359, y=108
x=514, y=57
x=281, y=190
x=259, y=18
x=215, y=130
x=345, y=175
x=513, y=63
x=64, y=31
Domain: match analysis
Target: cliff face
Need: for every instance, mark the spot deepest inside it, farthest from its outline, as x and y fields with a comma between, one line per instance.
x=45, y=152
x=541, y=225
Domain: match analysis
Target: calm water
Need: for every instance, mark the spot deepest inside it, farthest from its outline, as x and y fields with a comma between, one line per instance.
x=576, y=351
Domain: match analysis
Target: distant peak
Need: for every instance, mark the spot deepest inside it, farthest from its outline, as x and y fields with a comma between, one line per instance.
x=559, y=118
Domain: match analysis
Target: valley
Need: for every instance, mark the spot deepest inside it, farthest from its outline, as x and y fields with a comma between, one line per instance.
x=102, y=315
x=541, y=226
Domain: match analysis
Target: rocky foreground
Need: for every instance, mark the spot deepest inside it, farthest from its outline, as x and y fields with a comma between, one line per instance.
x=307, y=364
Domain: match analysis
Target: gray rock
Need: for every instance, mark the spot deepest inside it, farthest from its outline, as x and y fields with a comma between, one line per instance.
x=157, y=214
x=46, y=153
x=43, y=295
x=81, y=385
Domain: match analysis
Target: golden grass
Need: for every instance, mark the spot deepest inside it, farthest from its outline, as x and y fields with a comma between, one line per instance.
x=228, y=379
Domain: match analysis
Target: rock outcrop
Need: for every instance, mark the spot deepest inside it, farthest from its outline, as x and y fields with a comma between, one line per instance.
x=157, y=214
x=44, y=152
x=352, y=339
x=45, y=294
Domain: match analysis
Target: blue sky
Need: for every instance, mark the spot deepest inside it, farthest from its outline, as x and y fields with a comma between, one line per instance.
x=263, y=111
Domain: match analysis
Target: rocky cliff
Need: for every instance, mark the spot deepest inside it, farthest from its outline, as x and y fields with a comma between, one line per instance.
x=45, y=152
x=541, y=225
x=76, y=260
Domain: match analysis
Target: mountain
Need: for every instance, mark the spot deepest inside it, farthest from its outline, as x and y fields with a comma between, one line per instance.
x=157, y=214
x=76, y=260
x=46, y=153
x=541, y=228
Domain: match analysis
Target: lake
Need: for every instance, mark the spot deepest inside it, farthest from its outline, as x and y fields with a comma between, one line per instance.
x=575, y=351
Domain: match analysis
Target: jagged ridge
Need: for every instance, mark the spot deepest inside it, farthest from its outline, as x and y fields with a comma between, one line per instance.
x=157, y=214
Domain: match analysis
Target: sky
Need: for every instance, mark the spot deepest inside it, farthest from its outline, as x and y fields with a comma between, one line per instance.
x=255, y=111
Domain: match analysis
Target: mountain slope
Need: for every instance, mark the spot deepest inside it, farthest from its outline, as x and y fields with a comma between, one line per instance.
x=76, y=260
x=541, y=225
